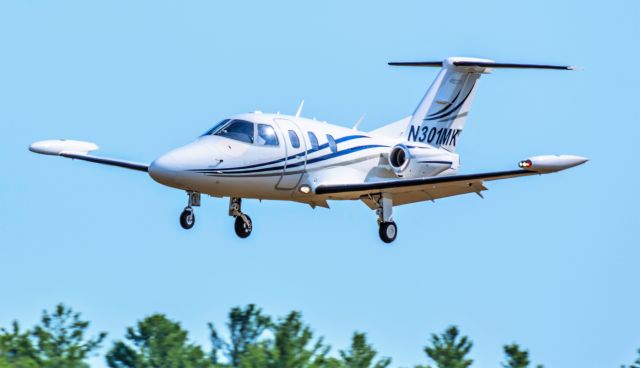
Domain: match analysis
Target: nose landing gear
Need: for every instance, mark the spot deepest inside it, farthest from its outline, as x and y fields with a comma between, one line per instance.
x=188, y=217
x=243, y=225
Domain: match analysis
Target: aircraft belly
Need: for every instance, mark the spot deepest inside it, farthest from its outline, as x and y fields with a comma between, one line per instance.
x=259, y=187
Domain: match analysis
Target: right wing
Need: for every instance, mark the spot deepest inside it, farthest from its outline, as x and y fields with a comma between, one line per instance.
x=80, y=150
x=415, y=190
x=422, y=189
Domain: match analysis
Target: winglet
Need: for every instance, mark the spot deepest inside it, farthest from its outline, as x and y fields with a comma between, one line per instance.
x=299, y=109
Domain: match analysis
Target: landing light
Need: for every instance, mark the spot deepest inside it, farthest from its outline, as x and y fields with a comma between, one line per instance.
x=305, y=189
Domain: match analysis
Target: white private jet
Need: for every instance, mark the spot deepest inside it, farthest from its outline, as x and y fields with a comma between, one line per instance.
x=280, y=157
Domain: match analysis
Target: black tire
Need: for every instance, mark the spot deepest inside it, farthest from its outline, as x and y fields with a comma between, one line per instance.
x=388, y=231
x=243, y=229
x=187, y=219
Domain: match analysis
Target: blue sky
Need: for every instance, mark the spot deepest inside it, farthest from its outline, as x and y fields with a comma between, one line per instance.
x=550, y=262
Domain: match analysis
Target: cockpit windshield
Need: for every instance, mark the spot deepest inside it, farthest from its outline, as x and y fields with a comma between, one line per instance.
x=216, y=127
x=240, y=130
x=245, y=131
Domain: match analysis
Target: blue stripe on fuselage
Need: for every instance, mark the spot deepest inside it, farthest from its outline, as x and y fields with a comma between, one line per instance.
x=311, y=161
x=307, y=152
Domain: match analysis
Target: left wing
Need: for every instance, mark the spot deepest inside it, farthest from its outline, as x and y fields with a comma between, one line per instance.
x=80, y=150
x=414, y=190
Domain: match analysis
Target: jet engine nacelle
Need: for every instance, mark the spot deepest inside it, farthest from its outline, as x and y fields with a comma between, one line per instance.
x=551, y=163
x=418, y=162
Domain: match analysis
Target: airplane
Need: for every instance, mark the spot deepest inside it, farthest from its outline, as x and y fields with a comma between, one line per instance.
x=281, y=157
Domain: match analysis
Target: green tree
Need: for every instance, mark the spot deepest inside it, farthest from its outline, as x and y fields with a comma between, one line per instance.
x=156, y=342
x=245, y=328
x=361, y=354
x=60, y=339
x=516, y=357
x=635, y=364
x=449, y=350
x=292, y=346
x=16, y=348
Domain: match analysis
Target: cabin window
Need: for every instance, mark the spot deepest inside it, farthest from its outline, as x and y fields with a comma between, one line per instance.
x=216, y=127
x=239, y=130
x=266, y=136
x=332, y=143
x=314, y=141
x=295, y=141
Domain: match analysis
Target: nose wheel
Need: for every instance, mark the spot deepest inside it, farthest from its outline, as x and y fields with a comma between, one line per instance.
x=188, y=216
x=242, y=225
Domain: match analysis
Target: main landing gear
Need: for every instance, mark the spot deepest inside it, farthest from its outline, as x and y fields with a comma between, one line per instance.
x=242, y=225
x=388, y=230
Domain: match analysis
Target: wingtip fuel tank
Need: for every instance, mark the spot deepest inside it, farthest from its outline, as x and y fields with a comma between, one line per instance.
x=551, y=163
x=58, y=146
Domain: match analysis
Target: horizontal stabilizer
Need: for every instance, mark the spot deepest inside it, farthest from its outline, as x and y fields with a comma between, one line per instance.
x=483, y=64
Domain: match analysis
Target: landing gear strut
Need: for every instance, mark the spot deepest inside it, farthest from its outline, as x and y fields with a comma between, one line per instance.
x=188, y=217
x=243, y=224
x=388, y=229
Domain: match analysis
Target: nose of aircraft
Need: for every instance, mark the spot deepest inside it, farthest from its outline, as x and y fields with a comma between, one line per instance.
x=174, y=167
x=166, y=168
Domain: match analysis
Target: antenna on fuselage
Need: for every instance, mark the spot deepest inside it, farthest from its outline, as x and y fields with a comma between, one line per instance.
x=357, y=124
x=299, y=109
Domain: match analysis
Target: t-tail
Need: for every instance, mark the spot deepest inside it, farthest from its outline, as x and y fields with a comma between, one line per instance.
x=441, y=114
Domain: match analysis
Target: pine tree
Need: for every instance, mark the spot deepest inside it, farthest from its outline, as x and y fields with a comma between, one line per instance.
x=361, y=354
x=16, y=348
x=516, y=357
x=449, y=350
x=60, y=339
x=156, y=342
x=245, y=328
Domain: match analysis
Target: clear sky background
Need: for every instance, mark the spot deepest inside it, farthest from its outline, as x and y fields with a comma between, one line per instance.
x=549, y=262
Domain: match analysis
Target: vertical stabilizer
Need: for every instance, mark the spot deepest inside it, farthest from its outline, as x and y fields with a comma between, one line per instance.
x=440, y=116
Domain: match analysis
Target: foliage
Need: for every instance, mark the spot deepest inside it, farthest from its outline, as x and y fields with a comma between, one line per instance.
x=449, y=350
x=292, y=346
x=254, y=341
x=361, y=354
x=516, y=357
x=16, y=348
x=245, y=327
x=156, y=342
x=58, y=341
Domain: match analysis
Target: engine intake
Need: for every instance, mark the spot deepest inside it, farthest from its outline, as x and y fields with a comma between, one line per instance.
x=417, y=162
x=399, y=158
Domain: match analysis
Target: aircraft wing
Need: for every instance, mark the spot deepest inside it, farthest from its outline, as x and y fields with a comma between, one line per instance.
x=430, y=188
x=79, y=150
x=415, y=190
